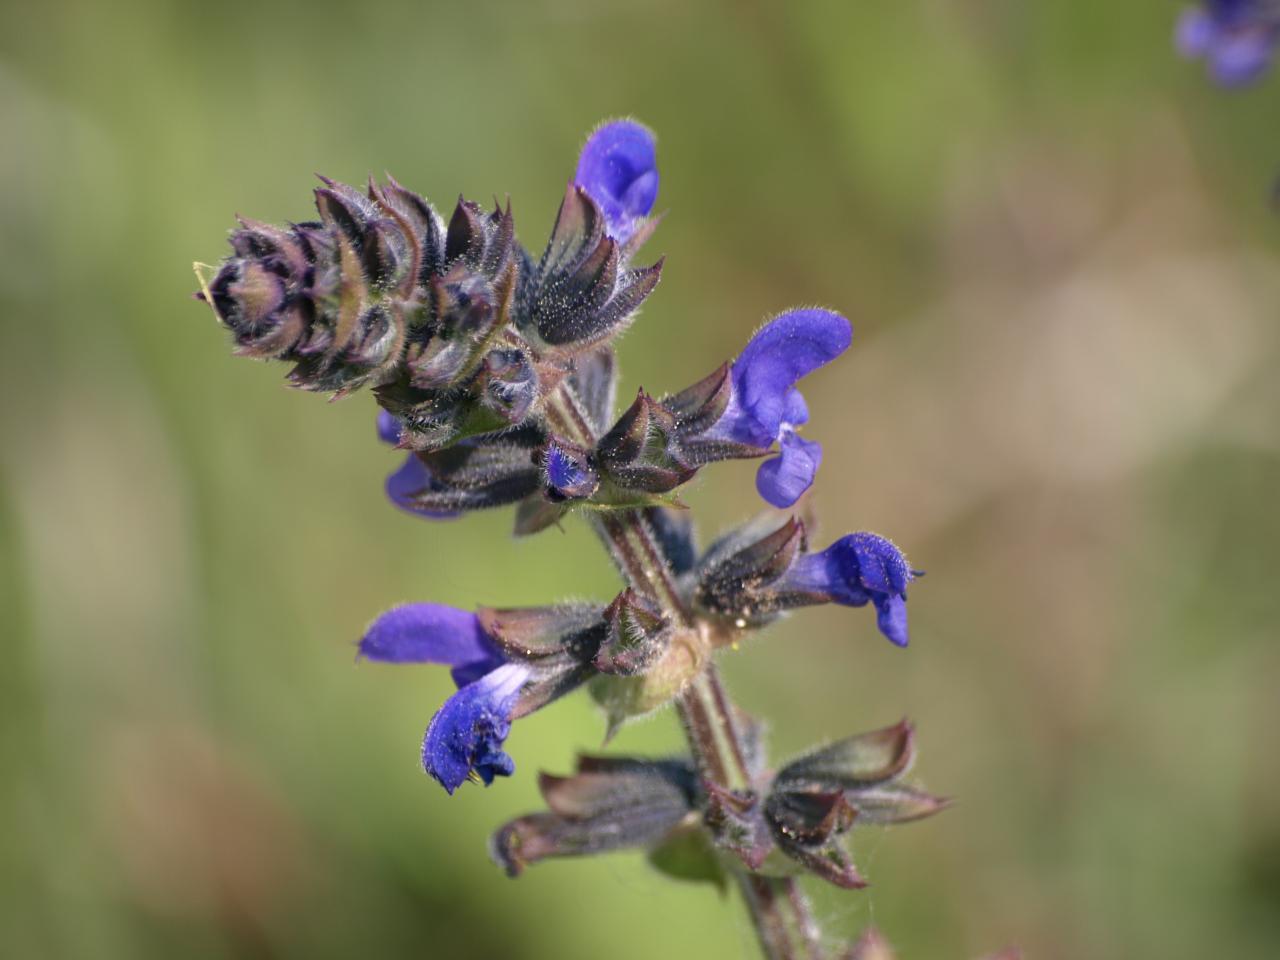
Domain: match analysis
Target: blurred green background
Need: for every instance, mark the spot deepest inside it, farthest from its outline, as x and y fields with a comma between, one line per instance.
x=1054, y=240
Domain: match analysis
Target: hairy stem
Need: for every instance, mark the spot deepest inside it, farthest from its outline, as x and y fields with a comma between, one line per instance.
x=713, y=726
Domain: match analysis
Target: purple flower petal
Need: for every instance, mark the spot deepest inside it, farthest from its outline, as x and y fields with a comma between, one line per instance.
x=891, y=618
x=467, y=733
x=783, y=480
x=786, y=349
x=858, y=568
x=431, y=633
x=618, y=168
x=404, y=484
x=1196, y=33
x=1241, y=56
x=388, y=428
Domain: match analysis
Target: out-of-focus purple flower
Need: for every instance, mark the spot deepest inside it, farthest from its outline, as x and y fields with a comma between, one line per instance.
x=766, y=406
x=618, y=167
x=465, y=737
x=858, y=569
x=1236, y=37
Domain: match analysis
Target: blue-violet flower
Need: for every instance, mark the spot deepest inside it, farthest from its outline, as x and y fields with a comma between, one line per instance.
x=1236, y=37
x=618, y=167
x=467, y=733
x=766, y=406
x=858, y=569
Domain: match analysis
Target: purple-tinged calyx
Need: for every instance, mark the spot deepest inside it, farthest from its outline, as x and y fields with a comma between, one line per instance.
x=618, y=167
x=765, y=407
x=1237, y=38
x=611, y=803
x=857, y=569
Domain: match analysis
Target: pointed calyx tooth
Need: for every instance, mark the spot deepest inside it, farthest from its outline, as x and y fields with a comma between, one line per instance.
x=819, y=796
x=697, y=408
x=637, y=634
x=735, y=820
x=641, y=453
x=609, y=804
x=862, y=760
x=583, y=295
x=735, y=586
x=626, y=440
x=578, y=231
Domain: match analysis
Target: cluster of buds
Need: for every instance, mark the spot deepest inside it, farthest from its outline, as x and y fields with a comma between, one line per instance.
x=494, y=372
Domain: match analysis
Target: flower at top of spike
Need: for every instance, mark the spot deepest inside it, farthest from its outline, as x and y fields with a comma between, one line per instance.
x=618, y=167
x=1237, y=38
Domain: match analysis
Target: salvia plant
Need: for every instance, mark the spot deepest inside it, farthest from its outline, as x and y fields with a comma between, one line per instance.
x=493, y=367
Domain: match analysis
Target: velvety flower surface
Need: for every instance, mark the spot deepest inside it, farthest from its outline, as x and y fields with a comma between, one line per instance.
x=432, y=633
x=766, y=407
x=465, y=737
x=1237, y=38
x=858, y=569
x=618, y=167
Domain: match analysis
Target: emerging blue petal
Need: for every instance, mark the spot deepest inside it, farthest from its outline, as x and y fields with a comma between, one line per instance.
x=783, y=480
x=413, y=478
x=465, y=737
x=618, y=167
x=431, y=633
x=569, y=474
x=388, y=428
x=858, y=569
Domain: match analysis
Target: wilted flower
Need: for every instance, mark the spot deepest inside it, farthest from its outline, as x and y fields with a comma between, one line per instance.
x=1236, y=37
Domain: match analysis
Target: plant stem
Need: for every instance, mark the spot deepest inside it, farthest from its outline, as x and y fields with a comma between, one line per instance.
x=779, y=910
